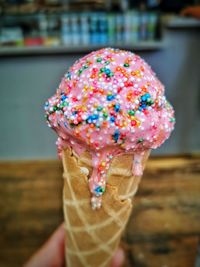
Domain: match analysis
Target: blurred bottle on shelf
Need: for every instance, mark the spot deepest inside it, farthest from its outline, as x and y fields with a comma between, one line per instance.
x=94, y=34
x=65, y=30
x=84, y=24
x=127, y=27
x=53, y=31
x=103, y=28
x=120, y=27
x=43, y=26
x=111, y=28
x=151, y=26
x=11, y=36
x=135, y=24
x=143, y=26
x=153, y=3
x=75, y=29
x=124, y=5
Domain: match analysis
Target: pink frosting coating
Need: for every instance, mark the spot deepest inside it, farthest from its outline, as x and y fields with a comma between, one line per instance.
x=110, y=102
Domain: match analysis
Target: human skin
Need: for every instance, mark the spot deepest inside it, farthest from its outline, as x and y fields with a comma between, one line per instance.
x=193, y=11
x=52, y=253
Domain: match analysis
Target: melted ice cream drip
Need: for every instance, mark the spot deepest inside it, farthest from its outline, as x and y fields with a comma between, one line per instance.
x=137, y=168
x=101, y=163
x=97, y=182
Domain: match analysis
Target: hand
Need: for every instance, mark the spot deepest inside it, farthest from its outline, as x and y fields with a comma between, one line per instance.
x=193, y=11
x=52, y=253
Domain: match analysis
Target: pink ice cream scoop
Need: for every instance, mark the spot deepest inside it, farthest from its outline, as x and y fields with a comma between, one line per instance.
x=110, y=102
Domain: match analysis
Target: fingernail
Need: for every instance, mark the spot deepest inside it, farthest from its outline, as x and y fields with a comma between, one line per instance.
x=118, y=258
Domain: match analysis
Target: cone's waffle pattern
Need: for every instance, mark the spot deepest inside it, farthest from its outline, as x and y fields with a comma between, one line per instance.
x=94, y=235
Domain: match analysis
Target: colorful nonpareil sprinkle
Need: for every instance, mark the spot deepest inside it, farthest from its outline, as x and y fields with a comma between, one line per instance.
x=110, y=102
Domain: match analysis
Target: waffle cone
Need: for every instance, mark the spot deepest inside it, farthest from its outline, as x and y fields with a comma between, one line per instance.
x=92, y=236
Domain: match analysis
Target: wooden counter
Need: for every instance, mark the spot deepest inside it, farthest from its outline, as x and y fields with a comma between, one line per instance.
x=163, y=231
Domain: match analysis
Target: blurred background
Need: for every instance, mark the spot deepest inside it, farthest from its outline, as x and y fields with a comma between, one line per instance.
x=40, y=39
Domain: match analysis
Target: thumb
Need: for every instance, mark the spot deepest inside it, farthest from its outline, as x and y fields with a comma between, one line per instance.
x=118, y=258
x=52, y=252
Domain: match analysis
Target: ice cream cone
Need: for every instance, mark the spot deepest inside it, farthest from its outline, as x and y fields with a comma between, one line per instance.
x=92, y=236
x=109, y=111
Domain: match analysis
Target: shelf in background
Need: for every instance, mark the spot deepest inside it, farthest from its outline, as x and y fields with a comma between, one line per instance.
x=179, y=22
x=38, y=50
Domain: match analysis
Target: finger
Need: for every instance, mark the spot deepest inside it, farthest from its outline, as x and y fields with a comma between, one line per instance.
x=192, y=11
x=186, y=11
x=118, y=258
x=52, y=252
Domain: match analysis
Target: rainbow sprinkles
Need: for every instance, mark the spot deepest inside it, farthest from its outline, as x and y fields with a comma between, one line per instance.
x=110, y=102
